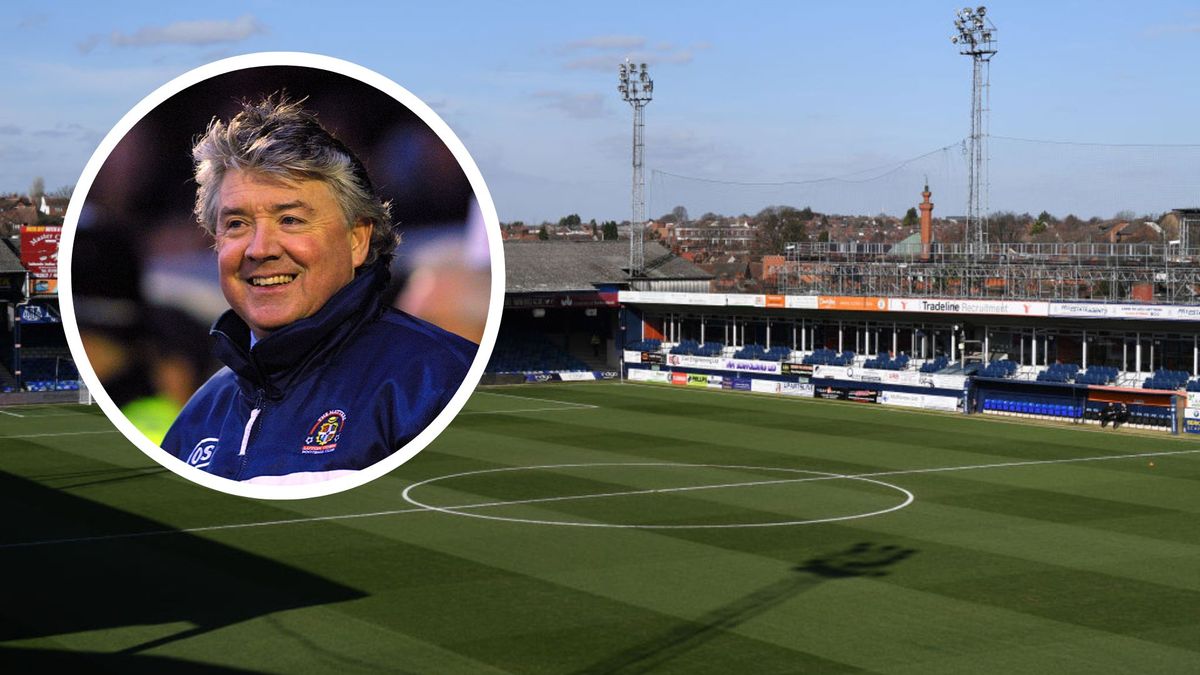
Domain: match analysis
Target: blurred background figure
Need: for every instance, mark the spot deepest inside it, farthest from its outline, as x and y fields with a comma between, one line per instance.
x=448, y=281
x=150, y=358
x=144, y=273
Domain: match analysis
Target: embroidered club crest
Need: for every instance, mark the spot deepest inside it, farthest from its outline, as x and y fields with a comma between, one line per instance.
x=323, y=436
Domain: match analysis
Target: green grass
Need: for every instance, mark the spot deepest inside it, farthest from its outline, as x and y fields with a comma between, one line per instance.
x=1023, y=550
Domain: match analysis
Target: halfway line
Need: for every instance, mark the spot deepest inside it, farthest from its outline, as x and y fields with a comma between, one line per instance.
x=63, y=433
x=539, y=500
x=540, y=400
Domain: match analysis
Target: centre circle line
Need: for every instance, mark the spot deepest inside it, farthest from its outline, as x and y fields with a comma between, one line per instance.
x=460, y=510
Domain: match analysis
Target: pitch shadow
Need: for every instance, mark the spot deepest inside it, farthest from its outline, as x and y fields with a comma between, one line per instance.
x=72, y=587
x=862, y=559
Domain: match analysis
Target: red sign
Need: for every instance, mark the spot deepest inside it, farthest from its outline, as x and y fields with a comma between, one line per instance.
x=679, y=378
x=39, y=250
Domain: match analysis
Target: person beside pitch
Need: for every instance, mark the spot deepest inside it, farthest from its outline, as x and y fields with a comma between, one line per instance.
x=321, y=378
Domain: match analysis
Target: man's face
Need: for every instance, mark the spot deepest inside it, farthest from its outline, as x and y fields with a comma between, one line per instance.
x=283, y=249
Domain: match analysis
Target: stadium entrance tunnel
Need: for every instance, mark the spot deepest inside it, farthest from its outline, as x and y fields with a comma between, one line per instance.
x=658, y=495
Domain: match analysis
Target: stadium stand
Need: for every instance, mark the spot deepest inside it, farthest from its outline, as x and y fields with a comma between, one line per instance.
x=1099, y=375
x=1059, y=372
x=1030, y=406
x=829, y=357
x=8, y=383
x=1002, y=369
x=532, y=352
x=651, y=345
x=885, y=362
x=693, y=348
x=935, y=365
x=761, y=353
x=1166, y=379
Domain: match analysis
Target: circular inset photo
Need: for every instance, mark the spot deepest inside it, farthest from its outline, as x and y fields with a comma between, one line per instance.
x=281, y=275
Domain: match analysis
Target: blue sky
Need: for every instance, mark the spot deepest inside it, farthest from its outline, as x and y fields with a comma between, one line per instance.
x=758, y=92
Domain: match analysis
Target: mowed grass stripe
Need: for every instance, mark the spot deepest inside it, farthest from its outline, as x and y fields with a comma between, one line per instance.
x=886, y=419
x=886, y=627
x=974, y=565
x=708, y=600
x=665, y=445
x=814, y=428
x=552, y=613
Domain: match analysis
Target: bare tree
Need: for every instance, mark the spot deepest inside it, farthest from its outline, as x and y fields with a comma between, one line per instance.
x=778, y=226
x=1008, y=227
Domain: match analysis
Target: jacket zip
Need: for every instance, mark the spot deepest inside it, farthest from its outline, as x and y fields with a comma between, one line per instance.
x=246, y=433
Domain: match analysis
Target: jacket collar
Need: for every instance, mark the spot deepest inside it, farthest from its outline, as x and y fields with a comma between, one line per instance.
x=276, y=360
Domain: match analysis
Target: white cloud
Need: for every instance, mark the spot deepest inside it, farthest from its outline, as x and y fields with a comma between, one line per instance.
x=118, y=82
x=607, y=42
x=577, y=106
x=682, y=150
x=606, y=51
x=190, y=33
x=69, y=130
x=33, y=21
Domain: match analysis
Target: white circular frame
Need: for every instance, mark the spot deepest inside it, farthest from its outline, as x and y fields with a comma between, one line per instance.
x=909, y=498
x=482, y=195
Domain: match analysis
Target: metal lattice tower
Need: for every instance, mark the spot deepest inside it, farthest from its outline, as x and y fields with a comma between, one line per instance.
x=637, y=89
x=975, y=33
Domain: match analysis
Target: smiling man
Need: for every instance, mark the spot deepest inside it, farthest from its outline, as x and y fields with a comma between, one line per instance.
x=321, y=378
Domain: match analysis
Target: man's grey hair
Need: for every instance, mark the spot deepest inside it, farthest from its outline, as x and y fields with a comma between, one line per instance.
x=278, y=139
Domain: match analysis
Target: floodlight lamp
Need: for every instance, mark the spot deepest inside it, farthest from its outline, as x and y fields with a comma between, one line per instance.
x=954, y=39
x=981, y=10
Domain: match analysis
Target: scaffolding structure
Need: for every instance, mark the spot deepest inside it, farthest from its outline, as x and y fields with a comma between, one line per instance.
x=1138, y=273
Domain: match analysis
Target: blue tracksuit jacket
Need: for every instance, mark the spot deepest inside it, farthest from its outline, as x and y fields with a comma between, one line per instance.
x=331, y=393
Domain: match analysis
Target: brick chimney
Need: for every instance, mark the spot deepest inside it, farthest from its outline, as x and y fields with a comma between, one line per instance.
x=926, y=223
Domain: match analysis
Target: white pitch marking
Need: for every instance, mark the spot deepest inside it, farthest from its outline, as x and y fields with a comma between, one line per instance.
x=540, y=400
x=351, y=516
x=457, y=511
x=207, y=528
x=5, y=412
x=36, y=417
x=63, y=433
x=522, y=410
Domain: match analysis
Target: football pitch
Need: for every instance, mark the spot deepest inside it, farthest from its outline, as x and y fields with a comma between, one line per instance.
x=620, y=528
